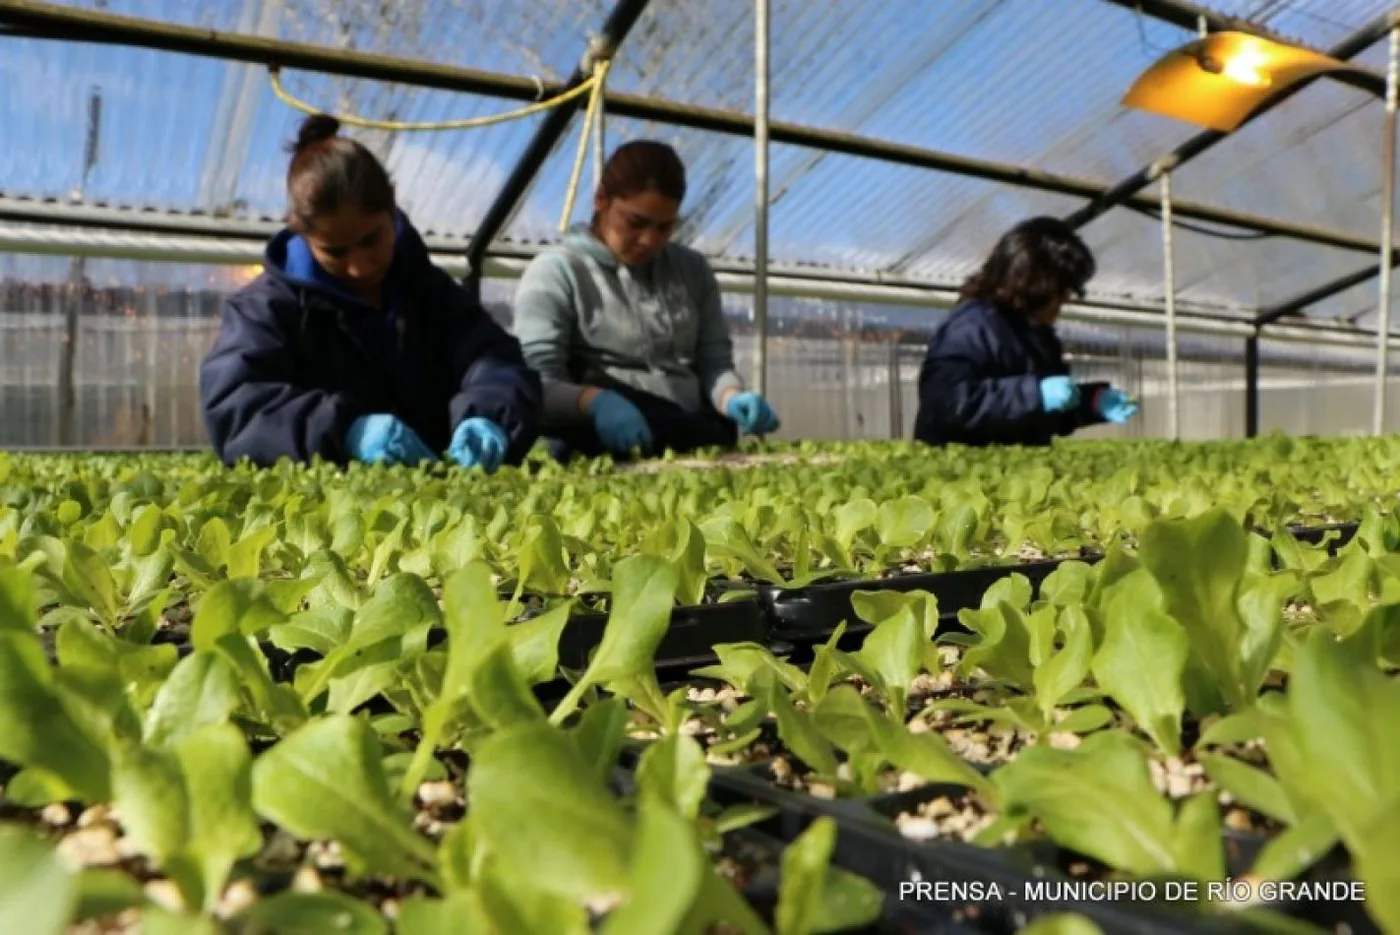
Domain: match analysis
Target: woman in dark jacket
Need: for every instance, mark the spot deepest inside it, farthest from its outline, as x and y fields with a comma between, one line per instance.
x=352, y=345
x=995, y=372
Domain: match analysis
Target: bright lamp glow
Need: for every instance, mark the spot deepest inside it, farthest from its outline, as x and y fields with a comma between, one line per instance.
x=1218, y=81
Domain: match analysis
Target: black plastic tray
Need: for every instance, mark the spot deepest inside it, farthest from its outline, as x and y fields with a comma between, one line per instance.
x=813, y=612
x=869, y=845
x=690, y=639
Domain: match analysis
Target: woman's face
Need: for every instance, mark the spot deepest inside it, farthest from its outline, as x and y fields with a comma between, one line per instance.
x=354, y=246
x=637, y=227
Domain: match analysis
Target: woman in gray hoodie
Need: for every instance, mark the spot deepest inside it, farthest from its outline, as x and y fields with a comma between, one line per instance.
x=627, y=329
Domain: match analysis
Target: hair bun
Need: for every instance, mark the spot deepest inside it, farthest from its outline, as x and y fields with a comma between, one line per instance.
x=316, y=128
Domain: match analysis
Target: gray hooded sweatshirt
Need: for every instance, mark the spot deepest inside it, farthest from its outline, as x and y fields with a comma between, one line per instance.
x=581, y=316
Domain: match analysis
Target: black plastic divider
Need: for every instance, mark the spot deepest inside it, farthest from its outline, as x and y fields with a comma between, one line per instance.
x=690, y=638
x=813, y=612
x=1315, y=534
x=999, y=890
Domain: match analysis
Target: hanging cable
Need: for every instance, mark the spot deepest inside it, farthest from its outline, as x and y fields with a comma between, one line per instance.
x=595, y=100
x=470, y=123
x=1156, y=215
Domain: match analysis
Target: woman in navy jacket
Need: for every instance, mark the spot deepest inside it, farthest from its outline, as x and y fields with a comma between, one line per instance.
x=352, y=345
x=995, y=372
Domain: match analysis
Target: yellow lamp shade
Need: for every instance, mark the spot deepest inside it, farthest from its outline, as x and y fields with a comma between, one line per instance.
x=1218, y=81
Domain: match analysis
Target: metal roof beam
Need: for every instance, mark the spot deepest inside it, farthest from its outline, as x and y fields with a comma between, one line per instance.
x=1348, y=48
x=1323, y=292
x=547, y=135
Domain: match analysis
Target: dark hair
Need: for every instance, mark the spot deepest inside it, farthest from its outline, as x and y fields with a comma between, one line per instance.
x=328, y=171
x=1032, y=266
x=643, y=165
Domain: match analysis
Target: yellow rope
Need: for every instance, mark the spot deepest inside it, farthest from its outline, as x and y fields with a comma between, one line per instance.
x=470, y=123
x=595, y=100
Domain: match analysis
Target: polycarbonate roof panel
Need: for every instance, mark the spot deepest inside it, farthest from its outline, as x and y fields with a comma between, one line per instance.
x=1030, y=82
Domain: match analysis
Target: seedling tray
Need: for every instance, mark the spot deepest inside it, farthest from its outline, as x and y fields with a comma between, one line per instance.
x=869, y=845
x=690, y=638
x=813, y=612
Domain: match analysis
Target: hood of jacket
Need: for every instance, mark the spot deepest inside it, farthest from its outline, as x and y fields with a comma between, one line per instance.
x=288, y=260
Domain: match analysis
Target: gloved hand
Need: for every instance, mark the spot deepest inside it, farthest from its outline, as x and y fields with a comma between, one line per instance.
x=752, y=413
x=1058, y=394
x=1116, y=406
x=619, y=424
x=479, y=441
x=385, y=439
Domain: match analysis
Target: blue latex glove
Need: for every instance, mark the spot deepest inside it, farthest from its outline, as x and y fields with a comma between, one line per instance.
x=619, y=424
x=479, y=441
x=384, y=439
x=1116, y=406
x=1058, y=394
x=752, y=413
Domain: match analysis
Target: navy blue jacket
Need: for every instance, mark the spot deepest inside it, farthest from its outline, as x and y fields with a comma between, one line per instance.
x=980, y=381
x=296, y=362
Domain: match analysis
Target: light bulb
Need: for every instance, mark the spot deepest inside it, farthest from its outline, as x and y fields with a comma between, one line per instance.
x=1243, y=68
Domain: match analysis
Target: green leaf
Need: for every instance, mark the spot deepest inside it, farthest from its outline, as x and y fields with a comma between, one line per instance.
x=1085, y=720
x=213, y=543
x=1348, y=580
x=1068, y=584
x=461, y=912
x=1250, y=786
x=89, y=576
x=1199, y=853
x=546, y=816
x=814, y=899
x=37, y=892
x=232, y=607
x=320, y=630
x=893, y=652
x=1342, y=710
x=1237, y=728
x=600, y=733
x=903, y=523
x=742, y=816
x=161, y=922
x=245, y=557
x=291, y=913
x=1378, y=868
x=325, y=780
x=17, y=599
x=203, y=689
x=795, y=728
x=666, y=873
x=148, y=788
x=644, y=588
x=1003, y=650
x=541, y=558
x=1065, y=670
x=673, y=770
x=1261, y=602
x=1097, y=799
x=37, y=730
x=1198, y=564
x=1140, y=666
x=106, y=892
x=217, y=768
x=853, y=518
x=498, y=693
x=1287, y=855
x=535, y=644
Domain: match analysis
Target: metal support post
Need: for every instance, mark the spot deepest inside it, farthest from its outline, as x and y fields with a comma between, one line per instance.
x=1169, y=288
x=77, y=279
x=896, y=393
x=1387, y=234
x=1251, y=386
x=762, y=16
x=550, y=131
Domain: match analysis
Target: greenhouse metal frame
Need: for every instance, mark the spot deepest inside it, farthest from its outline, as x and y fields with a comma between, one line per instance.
x=39, y=223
